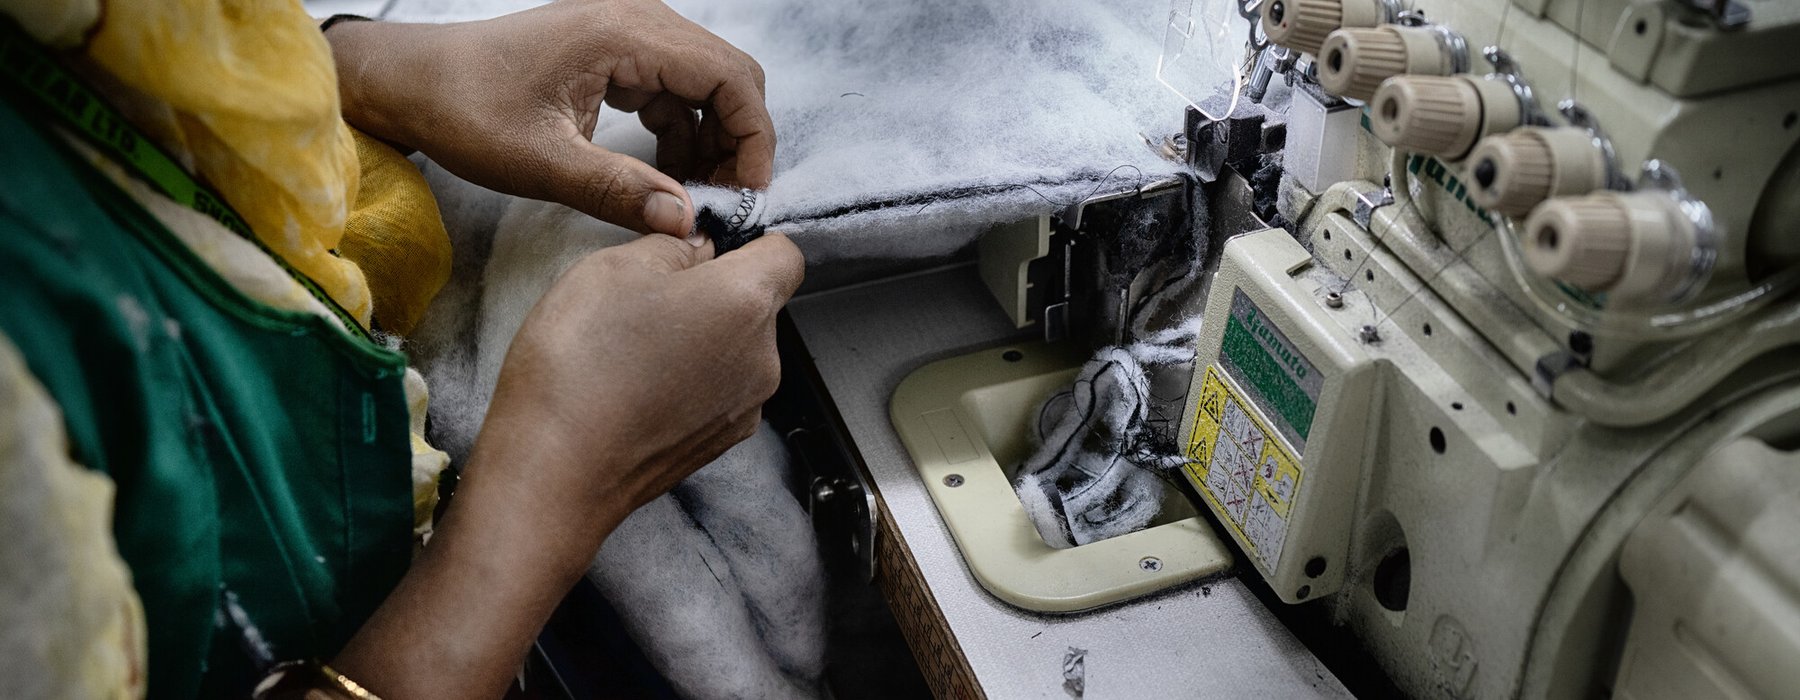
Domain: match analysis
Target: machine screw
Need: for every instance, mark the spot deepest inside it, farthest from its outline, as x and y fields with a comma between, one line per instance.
x=1150, y=564
x=1334, y=300
x=1581, y=343
x=824, y=491
x=953, y=481
x=1175, y=147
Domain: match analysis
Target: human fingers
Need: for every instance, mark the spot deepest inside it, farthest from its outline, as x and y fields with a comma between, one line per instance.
x=617, y=188
x=663, y=254
x=729, y=84
x=744, y=117
x=770, y=266
x=677, y=130
x=628, y=100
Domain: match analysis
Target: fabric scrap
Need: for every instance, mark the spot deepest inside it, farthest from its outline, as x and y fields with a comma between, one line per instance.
x=1099, y=468
x=1075, y=672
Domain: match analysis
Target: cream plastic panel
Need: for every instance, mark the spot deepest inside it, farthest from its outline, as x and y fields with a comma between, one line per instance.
x=961, y=420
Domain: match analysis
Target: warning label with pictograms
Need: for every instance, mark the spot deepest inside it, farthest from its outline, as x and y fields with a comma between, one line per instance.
x=1241, y=468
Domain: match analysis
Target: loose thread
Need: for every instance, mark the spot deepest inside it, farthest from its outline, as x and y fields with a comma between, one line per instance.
x=1457, y=256
x=1025, y=185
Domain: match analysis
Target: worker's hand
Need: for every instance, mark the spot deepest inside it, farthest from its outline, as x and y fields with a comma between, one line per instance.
x=511, y=104
x=644, y=362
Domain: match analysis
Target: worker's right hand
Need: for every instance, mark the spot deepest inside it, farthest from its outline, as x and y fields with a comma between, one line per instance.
x=642, y=363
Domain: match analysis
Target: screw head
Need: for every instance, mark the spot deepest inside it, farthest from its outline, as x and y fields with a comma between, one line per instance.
x=824, y=491
x=1334, y=300
x=1581, y=343
x=1150, y=564
x=953, y=480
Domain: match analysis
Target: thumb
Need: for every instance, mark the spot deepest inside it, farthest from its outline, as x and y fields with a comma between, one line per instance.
x=771, y=264
x=620, y=189
x=659, y=254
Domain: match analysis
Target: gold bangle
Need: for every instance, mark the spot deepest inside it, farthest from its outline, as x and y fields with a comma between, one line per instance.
x=300, y=676
x=344, y=683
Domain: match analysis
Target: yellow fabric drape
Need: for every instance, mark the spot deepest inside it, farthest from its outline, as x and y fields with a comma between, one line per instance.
x=251, y=95
x=396, y=236
x=70, y=622
x=255, y=98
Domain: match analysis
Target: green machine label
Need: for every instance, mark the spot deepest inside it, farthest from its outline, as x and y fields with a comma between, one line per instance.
x=1279, y=379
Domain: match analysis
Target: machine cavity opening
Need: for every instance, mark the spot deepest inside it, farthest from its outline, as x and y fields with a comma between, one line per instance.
x=1393, y=580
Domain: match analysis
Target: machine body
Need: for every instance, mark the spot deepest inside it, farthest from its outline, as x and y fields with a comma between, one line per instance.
x=1472, y=397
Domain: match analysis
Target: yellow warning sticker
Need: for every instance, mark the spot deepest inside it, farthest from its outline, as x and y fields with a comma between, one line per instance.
x=1241, y=468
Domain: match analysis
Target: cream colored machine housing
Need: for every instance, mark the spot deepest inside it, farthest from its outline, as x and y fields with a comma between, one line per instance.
x=1504, y=482
x=1510, y=487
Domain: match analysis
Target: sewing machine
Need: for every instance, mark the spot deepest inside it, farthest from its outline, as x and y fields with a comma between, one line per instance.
x=1505, y=404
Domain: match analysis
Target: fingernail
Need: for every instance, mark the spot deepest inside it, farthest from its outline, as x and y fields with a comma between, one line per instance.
x=665, y=213
x=695, y=238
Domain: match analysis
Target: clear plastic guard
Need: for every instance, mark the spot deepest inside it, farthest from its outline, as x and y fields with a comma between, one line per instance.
x=1203, y=54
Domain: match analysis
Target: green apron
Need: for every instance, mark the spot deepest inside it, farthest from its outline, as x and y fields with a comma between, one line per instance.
x=262, y=456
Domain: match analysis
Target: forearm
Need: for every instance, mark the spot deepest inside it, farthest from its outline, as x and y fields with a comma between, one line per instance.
x=383, y=69
x=465, y=614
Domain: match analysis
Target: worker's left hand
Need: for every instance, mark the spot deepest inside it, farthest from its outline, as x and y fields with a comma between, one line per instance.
x=511, y=104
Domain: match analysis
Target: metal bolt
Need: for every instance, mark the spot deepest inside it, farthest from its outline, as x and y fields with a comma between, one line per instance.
x=824, y=491
x=1150, y=564
x=1334, y=300
x=953, y=481
x=1581, y=343
x=1174, y=147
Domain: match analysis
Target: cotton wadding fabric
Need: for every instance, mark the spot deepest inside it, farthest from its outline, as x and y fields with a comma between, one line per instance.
x=726, y=587
x=908, y=128
x=1101, y=459
x=442, y=344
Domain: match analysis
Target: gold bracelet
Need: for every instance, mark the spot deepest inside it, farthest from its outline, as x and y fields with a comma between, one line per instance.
x=300, y=676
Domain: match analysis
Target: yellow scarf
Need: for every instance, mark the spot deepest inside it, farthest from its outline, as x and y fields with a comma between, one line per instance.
x=251, y=102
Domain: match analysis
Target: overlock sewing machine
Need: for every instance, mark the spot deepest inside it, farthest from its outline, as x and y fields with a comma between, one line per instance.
x=1498, y=382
